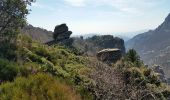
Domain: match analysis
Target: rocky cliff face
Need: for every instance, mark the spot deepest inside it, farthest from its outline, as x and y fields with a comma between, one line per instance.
x=153, y=46
x=91, y=46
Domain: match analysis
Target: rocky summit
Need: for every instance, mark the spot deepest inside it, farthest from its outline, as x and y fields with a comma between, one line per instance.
x=61, y=36
x=109, y=55
x=61, y=32
x=92, y=45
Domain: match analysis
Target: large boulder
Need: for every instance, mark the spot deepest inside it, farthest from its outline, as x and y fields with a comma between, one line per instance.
x=109, y=55
x=61, y=28
x=61, y=32
x=61, y=36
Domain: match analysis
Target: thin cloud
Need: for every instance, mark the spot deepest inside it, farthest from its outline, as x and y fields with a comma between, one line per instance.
x=127, y=6
x=42, y=6
x=76, y=3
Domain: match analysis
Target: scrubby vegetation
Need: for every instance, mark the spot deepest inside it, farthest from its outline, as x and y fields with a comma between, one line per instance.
x=8, y=70
x=30, y=70
x=86, y=77
x=34, y=57
x=37, y=87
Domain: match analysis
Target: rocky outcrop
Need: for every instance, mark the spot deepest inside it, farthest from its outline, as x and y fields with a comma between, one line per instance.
x=109, y=55
x=90, y=46
x=107, y=42
x=161, y=73
x=61, y=36
x=61, y=32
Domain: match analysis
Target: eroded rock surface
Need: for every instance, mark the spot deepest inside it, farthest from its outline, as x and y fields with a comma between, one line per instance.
x=109, y=55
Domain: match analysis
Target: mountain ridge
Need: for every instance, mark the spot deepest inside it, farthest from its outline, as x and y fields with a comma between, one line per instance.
x=39, y=34
x=152, y=45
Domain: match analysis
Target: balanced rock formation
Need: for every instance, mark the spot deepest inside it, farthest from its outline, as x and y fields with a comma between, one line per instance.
x=61, y=36
x=109, y=55
x=61, y=32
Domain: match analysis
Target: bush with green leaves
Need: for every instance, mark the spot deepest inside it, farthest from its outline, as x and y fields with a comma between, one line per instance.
x=37, y=87
x=7, y=50
x=133, y=57
x=8, y=70
x=12, y=18
x=59, y=61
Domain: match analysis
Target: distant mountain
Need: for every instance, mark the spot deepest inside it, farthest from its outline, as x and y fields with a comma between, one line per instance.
x=85, y=36
x=37, y=33
x=154, y=45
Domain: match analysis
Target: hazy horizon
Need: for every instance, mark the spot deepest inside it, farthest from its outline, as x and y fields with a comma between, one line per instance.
x=101, y=16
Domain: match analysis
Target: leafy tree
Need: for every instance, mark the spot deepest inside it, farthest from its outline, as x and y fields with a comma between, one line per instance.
x=133, y=57
x=12, y=17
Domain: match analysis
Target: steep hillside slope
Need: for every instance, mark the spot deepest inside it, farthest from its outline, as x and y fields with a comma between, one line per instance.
x=38, y=34
x=153, y=46
x=55, y=72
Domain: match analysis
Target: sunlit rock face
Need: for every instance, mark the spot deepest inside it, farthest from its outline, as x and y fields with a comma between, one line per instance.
x=109, y=55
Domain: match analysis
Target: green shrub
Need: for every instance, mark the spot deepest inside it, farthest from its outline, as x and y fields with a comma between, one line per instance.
x=37, y=87
x=132, y=56
x=8, y=50
x=134, y=76
x=8, y=70
x=59, y=61
x=166, y=93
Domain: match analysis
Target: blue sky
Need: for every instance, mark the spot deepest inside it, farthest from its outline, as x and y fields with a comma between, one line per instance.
x=99, y=16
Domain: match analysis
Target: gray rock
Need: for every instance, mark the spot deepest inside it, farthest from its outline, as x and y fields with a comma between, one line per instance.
x=159, y=70
x=64, y=36
x=109, y=55
x=61, y=32
x=61, y=28
x=61, y=36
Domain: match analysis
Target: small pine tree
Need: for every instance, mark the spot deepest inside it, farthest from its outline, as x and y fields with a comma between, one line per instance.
x=132, y=56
